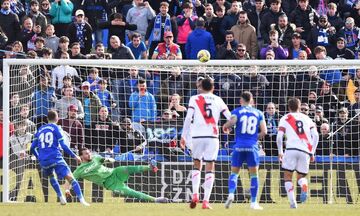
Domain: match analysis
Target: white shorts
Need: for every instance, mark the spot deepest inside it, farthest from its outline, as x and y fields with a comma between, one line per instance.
x=298, y=161
x=205, y=149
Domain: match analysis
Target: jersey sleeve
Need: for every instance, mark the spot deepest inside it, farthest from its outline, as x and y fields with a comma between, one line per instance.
x=192, y=103
x=224, y=109
x=282, y=126
x=77, y=174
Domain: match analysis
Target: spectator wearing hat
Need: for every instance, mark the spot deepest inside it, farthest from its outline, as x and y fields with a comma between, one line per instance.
x=322, y=34
x=68, y=99
x=137, y=47
x=305, y=18
x=270, y=17
x=61, y=11
x=186, y=22
x=140, y=15
x=117, y=26
x=158, y=26
x=73, y=127
x=297, y=46
x=343, y=137
x=165, y=49
x=9, y=22
x=245, y=33
x=333, y=16
x=285, y=30
x=280, y=52
x=319, y=117
x=37, y=17
x=91, y=103
x=241, y=52
x=80, y=31
x=198, y=40
x=340, y=51
x=63, y=46
x=228, y=49
x=350, y=33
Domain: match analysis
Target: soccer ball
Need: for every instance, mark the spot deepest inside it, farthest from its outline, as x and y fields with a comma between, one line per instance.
x=203, y=56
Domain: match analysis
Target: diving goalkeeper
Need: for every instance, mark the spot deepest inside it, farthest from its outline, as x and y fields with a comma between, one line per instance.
x=114, y=179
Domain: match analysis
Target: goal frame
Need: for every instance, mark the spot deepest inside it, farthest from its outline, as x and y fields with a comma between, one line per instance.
x=72, y=62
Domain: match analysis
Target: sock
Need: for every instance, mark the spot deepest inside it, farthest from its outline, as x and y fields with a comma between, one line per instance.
x=195, y=179
x=128, y=192
x=208, y=185
x=302, y=181
x=76, y=187
x=55, y=184
x=233, y=179
x=290, y=191
x=254, y=186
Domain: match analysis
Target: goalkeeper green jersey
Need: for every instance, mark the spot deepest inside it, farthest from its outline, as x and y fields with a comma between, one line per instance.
x=93, y=171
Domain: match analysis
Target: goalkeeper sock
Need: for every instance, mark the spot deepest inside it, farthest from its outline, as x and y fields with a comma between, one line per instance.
x=233, y=179
x=195, y=179
x=55, y=184
x=289, y=187
x=208, y=185
x=76, y=187
x=254, y=187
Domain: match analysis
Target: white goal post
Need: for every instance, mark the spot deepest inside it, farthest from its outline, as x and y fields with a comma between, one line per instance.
x=333, y=183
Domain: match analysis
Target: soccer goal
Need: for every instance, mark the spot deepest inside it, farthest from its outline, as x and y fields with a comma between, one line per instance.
x=133, y=111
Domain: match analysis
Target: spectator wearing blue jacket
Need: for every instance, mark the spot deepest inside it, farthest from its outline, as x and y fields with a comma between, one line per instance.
x=198, y=40
x=142, y=104
x=44, y=98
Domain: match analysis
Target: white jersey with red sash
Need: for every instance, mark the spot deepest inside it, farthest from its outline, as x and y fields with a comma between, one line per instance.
x=297, y=127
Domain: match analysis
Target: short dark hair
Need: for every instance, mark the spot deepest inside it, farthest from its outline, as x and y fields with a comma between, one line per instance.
x=164, y=3
x=207, y=84
x=246, y=96
x=319, y=49
x=228, y=32
x=64, y=39
x=294, y=104
x=74, y=44
x=82, y=149
x=135, y=35
x=118, y=16
x=141, y=81
x=52, y=115
x=41, y=39
x=47, y=51
x=99, y=45
x=200, y=22
x=243, y=13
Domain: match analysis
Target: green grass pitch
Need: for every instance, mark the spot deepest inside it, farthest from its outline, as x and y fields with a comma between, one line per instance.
x=147, y=209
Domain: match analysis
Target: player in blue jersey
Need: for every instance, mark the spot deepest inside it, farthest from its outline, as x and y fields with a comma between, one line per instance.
x=249, y=125
x=46, y=147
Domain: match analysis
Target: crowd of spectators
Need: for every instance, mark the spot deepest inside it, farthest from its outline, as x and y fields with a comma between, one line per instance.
x=121, y=110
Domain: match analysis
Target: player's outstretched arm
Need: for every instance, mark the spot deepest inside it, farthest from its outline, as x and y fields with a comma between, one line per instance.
x=33, y=148
x=279, y=142
x=229, y=124
x=186, y=128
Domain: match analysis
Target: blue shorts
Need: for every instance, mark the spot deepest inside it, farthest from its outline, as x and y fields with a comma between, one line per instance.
x=251, y=157
x=60, y=167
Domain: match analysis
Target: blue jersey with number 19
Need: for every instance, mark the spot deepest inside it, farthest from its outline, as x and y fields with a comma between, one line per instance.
x=247, y=126
x=46, y=144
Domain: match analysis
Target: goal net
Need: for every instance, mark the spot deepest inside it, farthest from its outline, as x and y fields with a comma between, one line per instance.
x=133, y=111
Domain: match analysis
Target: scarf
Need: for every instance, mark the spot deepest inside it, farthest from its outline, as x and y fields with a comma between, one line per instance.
x=350, y=37
x=157, y=26
x=323, y=37
x=80, y=33
x=5, y=12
